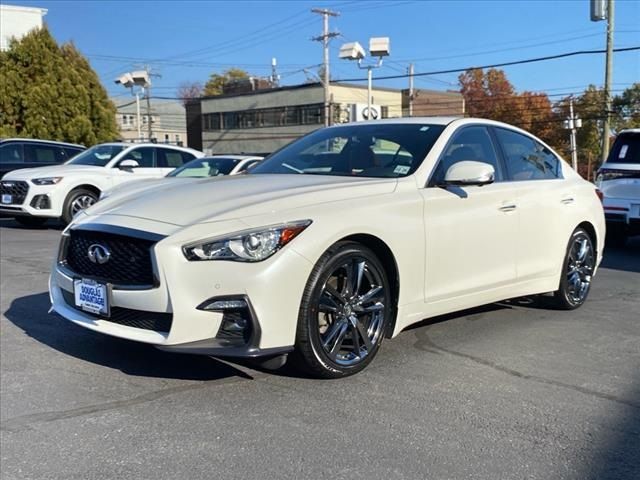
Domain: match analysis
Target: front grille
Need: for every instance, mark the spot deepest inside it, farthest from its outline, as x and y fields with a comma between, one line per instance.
x=17, y=189
x=158, y=322
x=129, y=262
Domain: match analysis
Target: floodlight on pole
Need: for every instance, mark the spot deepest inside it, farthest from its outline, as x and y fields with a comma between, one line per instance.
x=139, y=78
x=379, y=47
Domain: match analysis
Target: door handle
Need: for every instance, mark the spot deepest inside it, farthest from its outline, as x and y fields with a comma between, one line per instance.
x=567, y=200
x=508, y=208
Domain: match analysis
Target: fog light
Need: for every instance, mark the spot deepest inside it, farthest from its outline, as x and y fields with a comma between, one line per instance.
x=222, y=305
x=41, y=202
x=236, y=327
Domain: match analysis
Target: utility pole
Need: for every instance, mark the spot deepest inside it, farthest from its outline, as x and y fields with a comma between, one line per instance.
x=324, y=38
x=607, y=81
x=572, y=123
x=411, y=94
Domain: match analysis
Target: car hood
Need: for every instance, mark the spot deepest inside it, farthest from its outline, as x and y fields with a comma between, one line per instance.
x=236, y=196
x=142, y=185
x=53, y=171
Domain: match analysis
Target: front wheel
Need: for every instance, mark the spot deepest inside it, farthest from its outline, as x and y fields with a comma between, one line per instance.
x=577, y=272
x=344, y=312
x=77, y=201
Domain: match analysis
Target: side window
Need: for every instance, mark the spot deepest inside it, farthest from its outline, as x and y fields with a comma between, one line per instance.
x=145, y=156
x=527, y=159
x=471, y=143
x=36, y=153
x=11, y=153
x=187, y=157
x=170, y=158
x=71, y=152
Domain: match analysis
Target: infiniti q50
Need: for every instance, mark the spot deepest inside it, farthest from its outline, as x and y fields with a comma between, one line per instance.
x=337, y=241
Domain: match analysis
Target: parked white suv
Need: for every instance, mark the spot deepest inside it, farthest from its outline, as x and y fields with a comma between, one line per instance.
x=619, y=180
x=33, y=195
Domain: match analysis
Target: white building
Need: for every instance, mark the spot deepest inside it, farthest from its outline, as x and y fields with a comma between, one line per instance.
x=168, y=121
x=17, y=21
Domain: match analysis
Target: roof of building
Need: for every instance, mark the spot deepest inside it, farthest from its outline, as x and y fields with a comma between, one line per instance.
x=316, y=85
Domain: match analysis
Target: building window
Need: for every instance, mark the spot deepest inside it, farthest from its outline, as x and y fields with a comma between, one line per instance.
x=125, y=120
x=265, y=117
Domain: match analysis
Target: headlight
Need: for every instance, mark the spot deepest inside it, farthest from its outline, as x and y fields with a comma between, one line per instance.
x=46, y=180
x=247, y=246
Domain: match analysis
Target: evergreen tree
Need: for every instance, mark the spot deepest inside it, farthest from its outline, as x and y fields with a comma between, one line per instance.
x=52, y=92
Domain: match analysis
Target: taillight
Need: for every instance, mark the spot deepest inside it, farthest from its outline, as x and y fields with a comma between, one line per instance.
x=600, y=195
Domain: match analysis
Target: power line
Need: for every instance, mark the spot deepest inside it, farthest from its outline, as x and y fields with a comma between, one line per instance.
x=495, y=65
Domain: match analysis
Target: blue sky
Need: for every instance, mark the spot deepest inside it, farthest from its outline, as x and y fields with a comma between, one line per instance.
x=187, y=40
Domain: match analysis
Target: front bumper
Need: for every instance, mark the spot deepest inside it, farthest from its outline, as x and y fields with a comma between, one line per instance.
x=622, y=214
x=273, y=290
x=40, y=201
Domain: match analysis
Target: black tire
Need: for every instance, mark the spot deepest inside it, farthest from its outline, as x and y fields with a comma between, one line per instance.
x=331, y=301
x=69, y=209
x=31, y=221
x=577, y=272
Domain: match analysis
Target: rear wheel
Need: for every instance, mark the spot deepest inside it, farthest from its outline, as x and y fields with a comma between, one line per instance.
x=31, y=221
x=344, y=312
x=77, y=201
x=577, y=272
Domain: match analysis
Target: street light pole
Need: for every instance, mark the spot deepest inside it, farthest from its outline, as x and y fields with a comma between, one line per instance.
x=138, y=115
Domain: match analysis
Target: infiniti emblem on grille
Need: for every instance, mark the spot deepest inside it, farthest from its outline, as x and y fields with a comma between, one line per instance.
x=98, y=254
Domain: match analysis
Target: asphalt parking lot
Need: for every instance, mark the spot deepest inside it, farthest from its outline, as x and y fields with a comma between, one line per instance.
x=505, y=391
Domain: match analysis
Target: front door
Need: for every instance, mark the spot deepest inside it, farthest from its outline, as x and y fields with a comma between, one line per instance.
x=470, y=230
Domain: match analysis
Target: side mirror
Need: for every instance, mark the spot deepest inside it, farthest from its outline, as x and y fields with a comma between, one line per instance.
x=470, y=173
x=128, y=164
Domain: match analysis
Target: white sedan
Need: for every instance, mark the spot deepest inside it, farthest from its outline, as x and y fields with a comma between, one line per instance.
x=337, y=241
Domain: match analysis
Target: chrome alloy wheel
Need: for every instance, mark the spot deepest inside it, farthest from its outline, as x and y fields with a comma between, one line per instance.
x=81, y=202
x=351, y=312
x=580, y=267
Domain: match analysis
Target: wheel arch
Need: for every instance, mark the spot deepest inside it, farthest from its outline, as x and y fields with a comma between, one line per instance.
x=85, y=186
x=591, y=231
x=388, y=259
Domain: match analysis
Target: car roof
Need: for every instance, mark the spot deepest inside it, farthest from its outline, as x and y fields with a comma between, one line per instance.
x=629, y=130
x=233, y=157
x=146, y=144
x=37, y=140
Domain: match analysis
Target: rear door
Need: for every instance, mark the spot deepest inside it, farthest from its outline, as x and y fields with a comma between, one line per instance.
x=470, y=231
x=544, y=202
x=170, y=159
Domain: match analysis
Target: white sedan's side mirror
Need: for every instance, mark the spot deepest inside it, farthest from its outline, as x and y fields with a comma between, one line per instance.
x=128, y=164
x=470, y=172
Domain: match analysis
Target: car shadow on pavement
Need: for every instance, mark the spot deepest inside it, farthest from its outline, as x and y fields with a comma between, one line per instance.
x=10, y=223
x=29, y=313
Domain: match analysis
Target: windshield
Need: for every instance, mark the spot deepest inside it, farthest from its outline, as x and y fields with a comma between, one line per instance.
x=380, y=150
x=626, y=149
x=97, y=156
x=206, y=167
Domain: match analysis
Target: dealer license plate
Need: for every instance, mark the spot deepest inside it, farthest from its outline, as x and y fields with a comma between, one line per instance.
x=7, y=198
x=91, y=296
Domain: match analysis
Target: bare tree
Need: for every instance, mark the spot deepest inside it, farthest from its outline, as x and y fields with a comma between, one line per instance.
x=189, y=90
